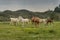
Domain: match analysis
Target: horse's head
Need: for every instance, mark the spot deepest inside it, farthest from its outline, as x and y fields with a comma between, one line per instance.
x=20, y=17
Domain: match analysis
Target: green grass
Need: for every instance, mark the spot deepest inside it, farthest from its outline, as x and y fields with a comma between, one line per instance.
x=29, y=32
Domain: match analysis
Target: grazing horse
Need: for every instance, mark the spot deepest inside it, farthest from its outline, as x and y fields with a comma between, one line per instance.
x=43, y=21
x=46, y=21
x=49, y=20
x=23, y=20
x=14, y=21
x=35, y=20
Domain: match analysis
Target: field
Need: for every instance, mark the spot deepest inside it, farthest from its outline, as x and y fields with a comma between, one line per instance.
x=29, y=32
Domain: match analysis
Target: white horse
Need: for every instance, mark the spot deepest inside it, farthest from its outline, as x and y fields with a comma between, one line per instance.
x=23, y=20
x=43, y=21
x=14, y=21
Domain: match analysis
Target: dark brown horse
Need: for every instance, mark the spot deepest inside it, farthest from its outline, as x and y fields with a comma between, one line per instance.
x=49, y=20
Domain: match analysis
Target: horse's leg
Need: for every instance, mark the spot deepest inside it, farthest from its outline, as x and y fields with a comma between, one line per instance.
x=22, y=24
x=36, y=24
x=32, y=22
x=10, y=23
x=28, y=22
x=50, y=23
x=16, y=23
x=39, y=24
x=47, y=23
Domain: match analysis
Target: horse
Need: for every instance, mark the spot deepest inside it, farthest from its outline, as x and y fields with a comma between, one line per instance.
x=43, y=21
x=35, y=20
x=46, y=20
x=14, y=21
x=49, y=20
x=23, y=20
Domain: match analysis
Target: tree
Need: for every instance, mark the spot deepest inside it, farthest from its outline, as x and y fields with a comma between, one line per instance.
x=57, y=9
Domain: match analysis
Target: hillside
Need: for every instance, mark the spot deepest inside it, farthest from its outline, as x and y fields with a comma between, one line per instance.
x=5, y=15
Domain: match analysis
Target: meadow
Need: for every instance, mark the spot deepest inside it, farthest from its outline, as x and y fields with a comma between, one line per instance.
x=29, y=31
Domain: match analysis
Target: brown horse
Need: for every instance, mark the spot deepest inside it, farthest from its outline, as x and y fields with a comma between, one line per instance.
x=49, y=20
x=35, y=20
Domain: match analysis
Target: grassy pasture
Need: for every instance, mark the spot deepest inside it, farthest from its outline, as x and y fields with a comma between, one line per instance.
x=29, y=32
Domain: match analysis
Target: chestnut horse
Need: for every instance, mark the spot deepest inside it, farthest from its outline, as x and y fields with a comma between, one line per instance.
x=35, y=20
